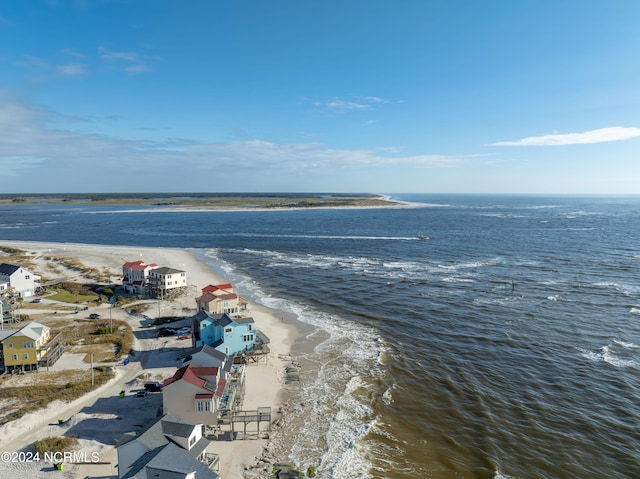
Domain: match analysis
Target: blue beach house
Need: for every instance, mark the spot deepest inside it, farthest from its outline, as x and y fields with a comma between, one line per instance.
x=230, y=336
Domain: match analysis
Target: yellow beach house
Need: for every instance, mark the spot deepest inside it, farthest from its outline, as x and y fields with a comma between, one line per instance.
x=29, y=347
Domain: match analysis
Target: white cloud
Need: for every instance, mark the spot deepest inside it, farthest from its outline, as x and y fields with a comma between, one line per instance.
x=614, y=133
x=360, y=103
x=109, y=55
x=27, y=143
x=72, y=70
x=138, y=68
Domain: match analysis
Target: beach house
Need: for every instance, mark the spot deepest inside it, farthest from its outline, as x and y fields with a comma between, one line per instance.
x=164, y=280
x=221, y=298
x=231, y=336
x=29, y=347
x=207, y=356
x=134, y=276
x=19, y=279
x=193, y=393
x=166, y=448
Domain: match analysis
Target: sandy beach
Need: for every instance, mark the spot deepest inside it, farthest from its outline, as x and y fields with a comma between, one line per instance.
x=99, y=417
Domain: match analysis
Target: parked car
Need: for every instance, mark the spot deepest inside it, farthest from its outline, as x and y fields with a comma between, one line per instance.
x=182, y=331
x=94, y=316
x=142, y=393
x=153, y=387
x=165, y=332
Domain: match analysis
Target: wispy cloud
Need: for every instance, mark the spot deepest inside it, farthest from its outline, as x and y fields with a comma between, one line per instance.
x=72, y=52
x=43, y=70
x=133, y=62
x=359, y=103
x=602, y=135
x=109, y=55
x=72, y=70
x=27, y=142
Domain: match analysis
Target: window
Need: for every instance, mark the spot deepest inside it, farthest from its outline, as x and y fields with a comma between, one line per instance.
x=25, y=355
x=247, y=337
x=27, y=277
x=15, y=357
x=192, y=441
x=228, y=330
x=250, y=328
x=10, y=345
x=28, y=345
x=203, y=405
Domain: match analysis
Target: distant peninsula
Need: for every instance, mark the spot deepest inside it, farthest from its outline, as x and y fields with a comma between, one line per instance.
x=214, y=201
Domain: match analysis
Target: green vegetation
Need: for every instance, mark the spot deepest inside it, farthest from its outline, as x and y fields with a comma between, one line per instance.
x=95, y=337
x=77, y=265
x=55, y=444
x=69, y=292
x=16, y=256
x=37, y=396
x=215, y=200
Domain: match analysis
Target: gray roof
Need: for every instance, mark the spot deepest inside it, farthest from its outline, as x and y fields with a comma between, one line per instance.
x=153, y=434
x=179, y=429
x=32, y=330
x=166, y=270
x=248, y=320
x=8, y=269
x=208, y=350
x=200, y=316
x=168, y=462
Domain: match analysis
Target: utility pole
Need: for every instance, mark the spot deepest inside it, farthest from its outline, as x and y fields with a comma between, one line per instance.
x=92, y=369
x=110, y=320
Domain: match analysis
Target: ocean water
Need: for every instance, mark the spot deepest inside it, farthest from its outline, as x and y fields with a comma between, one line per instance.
x=506, y=345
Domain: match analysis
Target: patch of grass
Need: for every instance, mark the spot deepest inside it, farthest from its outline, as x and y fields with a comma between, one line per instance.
x=55, y=444
x=17, y=256
x=76, y=265
x=37, y=396
x=68, y=297
x=96, y=337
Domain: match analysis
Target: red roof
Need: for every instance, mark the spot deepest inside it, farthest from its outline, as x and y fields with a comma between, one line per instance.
x=206, y=298
x=204, y=396
x=138, y=265
x=194, y=375
x=214, y=287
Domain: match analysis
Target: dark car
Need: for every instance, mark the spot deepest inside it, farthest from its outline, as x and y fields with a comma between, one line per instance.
x=94, y=316
x=165, y=332
x=153, y=387
x=142, y=393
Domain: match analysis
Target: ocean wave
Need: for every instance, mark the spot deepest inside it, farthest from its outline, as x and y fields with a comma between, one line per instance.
x=604, y=354
x=457, y=280
x=350, y=363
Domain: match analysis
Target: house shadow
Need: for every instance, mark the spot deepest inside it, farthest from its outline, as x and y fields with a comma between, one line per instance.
x=145, y=333
x=107, y=419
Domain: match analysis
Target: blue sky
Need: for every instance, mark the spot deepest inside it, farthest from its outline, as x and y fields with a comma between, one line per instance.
x=320, y=96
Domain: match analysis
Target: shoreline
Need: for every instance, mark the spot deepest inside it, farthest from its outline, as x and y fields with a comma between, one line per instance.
x=265, y=383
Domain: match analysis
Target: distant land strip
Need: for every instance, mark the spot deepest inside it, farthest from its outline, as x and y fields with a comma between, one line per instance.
x=207, y=200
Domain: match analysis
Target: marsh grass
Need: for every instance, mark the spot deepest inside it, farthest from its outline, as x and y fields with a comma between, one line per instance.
x=55, y=444
x=95, y=337
x=39, y=395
